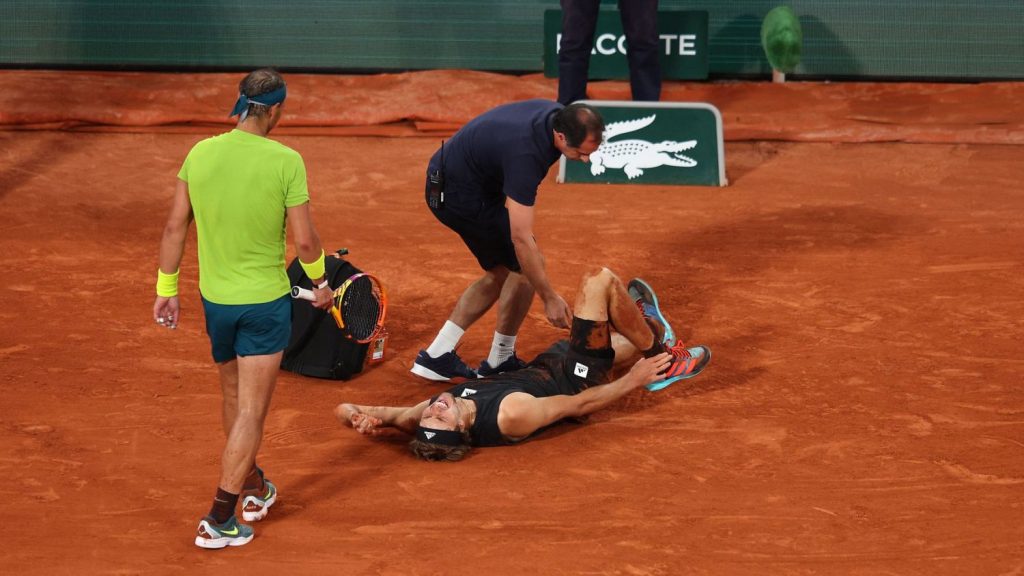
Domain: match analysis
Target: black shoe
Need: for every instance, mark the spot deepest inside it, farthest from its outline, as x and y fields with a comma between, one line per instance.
x=443, y=368
x=510, y=364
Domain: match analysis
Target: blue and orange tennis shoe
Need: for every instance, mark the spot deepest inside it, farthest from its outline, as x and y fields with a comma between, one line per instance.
x=231, y=533
x=443, y=368
x=686, y=363
x=256, y=503
x=647, y=301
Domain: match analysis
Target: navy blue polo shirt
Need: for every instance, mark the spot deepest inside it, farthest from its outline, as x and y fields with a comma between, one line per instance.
x=506, y=151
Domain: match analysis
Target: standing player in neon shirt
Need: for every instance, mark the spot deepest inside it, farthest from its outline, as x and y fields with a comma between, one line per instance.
x=241, y=188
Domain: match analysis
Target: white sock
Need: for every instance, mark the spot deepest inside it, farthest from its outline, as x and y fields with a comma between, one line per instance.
x=502, y=348
x=447, y=339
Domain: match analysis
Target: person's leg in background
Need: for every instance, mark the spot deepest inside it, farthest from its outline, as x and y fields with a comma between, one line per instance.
x=513, y=305
x=254, y=482
x=247, y=343
x=640, y=24
x=579, y=20
x=228, y=372
x=439, y=361
x=255, y=377
x=488, y=236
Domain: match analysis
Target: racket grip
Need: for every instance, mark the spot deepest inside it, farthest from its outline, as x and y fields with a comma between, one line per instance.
x=303, y=294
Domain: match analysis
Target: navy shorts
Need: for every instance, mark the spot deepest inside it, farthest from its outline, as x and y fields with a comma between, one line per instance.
x=248, y=329
x=483, y=227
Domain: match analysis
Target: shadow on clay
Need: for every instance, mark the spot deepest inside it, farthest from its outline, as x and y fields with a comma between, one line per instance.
x=36, y=164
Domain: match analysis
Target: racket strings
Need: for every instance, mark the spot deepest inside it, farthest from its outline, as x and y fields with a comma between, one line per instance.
x=361, y=307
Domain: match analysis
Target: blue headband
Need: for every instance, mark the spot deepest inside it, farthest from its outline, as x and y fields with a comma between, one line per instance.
x=268, y=99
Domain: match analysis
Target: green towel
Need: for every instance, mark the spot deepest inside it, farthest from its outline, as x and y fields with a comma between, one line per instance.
x=781, y=38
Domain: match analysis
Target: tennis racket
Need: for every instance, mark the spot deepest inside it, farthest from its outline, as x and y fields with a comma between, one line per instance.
x=358, y=307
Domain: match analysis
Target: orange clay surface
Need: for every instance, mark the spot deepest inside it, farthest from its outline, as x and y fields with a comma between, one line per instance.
x=861, y=283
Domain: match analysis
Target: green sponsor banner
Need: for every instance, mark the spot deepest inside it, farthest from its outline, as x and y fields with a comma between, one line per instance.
x=682, y=35
x=654, y=143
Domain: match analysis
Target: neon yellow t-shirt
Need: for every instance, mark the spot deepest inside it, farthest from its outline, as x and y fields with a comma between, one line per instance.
x=240, y=186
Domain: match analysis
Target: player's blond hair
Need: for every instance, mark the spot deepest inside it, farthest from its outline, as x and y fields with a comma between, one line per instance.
x=439, y=452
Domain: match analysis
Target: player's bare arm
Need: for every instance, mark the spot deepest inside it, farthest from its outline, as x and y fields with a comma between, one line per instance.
x=307, y=246
x=521, y=414
x=166, y=309
x=520, y=219
x=369, y=419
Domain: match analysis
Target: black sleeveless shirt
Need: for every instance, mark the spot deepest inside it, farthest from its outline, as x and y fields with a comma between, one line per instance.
x=543, y=377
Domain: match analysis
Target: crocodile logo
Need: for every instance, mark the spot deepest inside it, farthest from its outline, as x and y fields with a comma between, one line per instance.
x=633, y=156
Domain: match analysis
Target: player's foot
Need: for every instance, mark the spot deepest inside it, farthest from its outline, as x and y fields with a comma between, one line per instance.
x=647, y=301
x=510, y=364
x=443, y=368
x=256, y=503
x=686, y=363
x=231, y=533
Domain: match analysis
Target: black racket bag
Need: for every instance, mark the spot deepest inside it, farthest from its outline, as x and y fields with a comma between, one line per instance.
x=317, y=346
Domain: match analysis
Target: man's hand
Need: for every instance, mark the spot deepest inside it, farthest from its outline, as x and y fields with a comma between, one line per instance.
x=648, y=370
x=351, y=416
x=166, y=311
x=323, y=297
x=558, y=312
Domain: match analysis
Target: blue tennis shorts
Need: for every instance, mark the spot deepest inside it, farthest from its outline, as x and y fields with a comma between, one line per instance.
x=248, y=329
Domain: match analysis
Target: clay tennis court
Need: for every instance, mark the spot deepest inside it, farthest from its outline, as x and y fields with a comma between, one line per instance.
x=860, y=282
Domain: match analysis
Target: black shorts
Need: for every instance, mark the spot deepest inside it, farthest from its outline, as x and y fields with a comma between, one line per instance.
x=584, y=360
x=483, y=227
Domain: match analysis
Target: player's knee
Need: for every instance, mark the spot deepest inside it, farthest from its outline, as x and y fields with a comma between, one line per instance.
x=598, y=277
x=496, y=275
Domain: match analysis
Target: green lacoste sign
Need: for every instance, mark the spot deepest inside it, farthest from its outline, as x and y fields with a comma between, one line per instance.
x=683, y=35
x=654, y=143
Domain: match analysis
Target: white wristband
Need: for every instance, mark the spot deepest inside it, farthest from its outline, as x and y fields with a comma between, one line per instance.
x=323, y=284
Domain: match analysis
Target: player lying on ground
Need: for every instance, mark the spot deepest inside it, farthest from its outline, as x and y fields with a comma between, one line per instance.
x=571, y=379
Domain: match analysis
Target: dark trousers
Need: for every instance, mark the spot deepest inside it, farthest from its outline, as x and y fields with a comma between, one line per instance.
x=640, y=24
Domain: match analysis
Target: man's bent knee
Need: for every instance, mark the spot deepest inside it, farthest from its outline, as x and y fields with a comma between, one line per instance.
x=592, y=299
x=495, y=277
x=597, y=277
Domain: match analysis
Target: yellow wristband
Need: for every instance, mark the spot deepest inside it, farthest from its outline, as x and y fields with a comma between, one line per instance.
x=166, y=284
x=315, y=269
